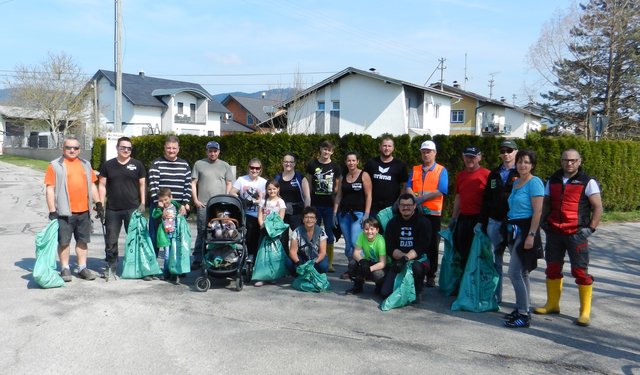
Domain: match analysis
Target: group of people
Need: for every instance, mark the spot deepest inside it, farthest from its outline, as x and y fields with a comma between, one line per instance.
x=508, y=203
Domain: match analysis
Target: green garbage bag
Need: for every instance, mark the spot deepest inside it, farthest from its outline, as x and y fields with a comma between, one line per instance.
x=270, y=260
x=180, y=248
x=309, y=279
x=384, y=216
x=404, y=291
x=139, y=257
x=480, y=278
x=44, y=271
x=450, y=271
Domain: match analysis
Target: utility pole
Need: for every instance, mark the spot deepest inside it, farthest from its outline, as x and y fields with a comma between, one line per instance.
x=491, y=84
x=117, y=123
x=442, y=68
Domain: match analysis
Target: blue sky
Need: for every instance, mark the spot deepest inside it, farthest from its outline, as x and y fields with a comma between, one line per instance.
x=253, y=45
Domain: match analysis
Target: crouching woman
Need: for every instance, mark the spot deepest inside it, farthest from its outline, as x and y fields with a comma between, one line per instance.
x=308, y=242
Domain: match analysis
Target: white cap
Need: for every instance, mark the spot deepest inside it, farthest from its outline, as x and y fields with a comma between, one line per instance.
x=428, y=145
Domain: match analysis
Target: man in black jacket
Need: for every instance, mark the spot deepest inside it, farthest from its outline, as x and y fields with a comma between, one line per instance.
x=495, y=207
x=407, y=236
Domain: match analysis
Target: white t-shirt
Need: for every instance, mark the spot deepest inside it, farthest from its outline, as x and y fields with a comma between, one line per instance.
x=592, y=187
x=274, y=205
x=251, y=192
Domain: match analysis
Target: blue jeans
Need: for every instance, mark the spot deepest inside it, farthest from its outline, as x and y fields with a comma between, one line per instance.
x=351, y=228
x=321, y=267
x=498, y=242
x=325, y=218
x=201, y=224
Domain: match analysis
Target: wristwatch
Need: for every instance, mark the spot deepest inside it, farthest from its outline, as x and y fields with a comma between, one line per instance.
x=592, y=229
x=532, y=234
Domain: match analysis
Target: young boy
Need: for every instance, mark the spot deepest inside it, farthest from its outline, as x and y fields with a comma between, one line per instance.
x=167, y=210
x=369, y=257
x=324, y=177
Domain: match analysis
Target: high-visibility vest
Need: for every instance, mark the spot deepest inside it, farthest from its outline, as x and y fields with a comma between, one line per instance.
x=429, y=183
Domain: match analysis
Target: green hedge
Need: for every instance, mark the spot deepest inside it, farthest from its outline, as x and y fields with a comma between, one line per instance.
x=614, y=163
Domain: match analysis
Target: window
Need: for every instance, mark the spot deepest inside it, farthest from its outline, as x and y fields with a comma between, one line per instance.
x=180, y=108
x=192, y=111
x=334, y=118
x=320, y=107
x=249, y=119
x=210, y=133
x=436, y=111
x=457, y=116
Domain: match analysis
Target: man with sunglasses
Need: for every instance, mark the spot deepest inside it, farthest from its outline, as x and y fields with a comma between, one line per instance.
x=495, y=207
x=122, y=183
x=71, y=192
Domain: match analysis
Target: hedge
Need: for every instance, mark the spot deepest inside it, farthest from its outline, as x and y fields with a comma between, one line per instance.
x=615, y=164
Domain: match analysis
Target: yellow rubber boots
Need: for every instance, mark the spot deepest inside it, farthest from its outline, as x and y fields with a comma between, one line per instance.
x=585, y=305
x=330, y=256
x=554, y=291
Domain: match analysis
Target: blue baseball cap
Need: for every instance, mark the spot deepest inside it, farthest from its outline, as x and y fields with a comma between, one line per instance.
x=213, y=144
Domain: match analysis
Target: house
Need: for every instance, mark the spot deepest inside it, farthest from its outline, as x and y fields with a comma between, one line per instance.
x=255, y=113
x=155, y=105
x=475, y=114
x=365, y=102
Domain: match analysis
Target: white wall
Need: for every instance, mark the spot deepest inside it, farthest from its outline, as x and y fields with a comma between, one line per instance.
x=367, y=106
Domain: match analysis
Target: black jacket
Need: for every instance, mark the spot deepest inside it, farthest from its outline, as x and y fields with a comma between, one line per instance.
x=496, y=194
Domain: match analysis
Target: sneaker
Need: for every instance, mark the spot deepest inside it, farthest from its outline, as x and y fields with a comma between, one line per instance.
x=66, y=275
x=345, y=276
x=512, y=315
x=521, y=321
x=86, y=274
x=148, y=278
x=431, y=282
x=258, y=284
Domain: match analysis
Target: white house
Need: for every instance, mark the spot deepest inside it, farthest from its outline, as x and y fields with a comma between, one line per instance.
x=475, y=114
x=154, y=105
x=365, y=102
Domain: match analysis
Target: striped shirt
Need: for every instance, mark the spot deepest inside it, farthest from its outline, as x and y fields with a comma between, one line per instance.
x=176, y=175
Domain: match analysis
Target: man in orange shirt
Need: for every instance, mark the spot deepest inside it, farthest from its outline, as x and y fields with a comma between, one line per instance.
x=70, y=192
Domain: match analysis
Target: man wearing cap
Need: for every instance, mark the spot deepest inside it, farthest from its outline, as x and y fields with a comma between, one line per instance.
x=210, y=176
x=429, y=183
x=470, y=183
x=495, y=206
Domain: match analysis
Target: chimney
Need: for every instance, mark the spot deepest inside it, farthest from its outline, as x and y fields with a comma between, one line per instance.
x=141, y=73
x=502, y=99
x=456, y=84
x=374, y=70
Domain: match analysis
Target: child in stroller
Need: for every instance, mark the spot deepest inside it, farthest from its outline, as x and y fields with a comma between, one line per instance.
x=223, y=226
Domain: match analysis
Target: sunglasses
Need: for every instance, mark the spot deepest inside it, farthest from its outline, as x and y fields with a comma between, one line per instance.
x=75, y=148
x=255, y=168
x=506, y=151
x=124, y=148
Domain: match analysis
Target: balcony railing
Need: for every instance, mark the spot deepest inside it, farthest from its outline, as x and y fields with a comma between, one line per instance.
x=185, y=119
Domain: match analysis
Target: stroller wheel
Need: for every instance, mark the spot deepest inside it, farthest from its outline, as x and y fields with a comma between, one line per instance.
x=239, y=283
x=202, y=283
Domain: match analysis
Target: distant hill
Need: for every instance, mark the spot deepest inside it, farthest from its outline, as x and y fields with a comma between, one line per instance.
x=274, y=94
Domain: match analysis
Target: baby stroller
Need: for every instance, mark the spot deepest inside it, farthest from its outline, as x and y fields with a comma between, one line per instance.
x=224, y=251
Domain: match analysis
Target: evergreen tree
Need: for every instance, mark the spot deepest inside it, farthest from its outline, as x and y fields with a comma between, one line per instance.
x=600, y=74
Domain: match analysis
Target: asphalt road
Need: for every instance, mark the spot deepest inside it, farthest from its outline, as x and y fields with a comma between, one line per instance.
x=133, y=326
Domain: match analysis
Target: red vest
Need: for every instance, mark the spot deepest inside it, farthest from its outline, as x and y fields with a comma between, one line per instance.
x=570, y=207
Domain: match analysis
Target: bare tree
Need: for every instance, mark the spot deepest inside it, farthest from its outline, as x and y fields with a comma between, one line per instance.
x=55, y=91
